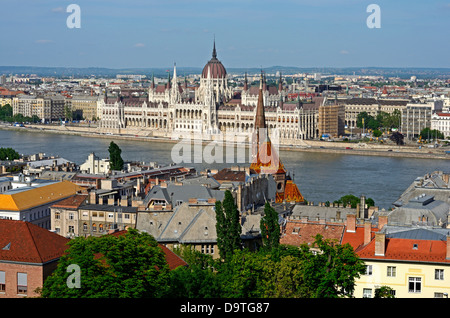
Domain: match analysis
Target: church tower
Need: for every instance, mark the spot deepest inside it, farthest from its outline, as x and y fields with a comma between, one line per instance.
x=265, y=158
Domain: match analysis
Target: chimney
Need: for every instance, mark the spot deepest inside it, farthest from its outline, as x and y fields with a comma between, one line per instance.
x=367, y=232
x=380, y=243
x=351, y=222
x=382, y=220
x=448, y=247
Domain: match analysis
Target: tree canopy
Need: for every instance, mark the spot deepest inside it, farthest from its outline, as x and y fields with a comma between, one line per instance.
x=428, y=133
x=228, y=226
x=8, y=154
x=270, y=228
x=115, y=157
x=131, y=265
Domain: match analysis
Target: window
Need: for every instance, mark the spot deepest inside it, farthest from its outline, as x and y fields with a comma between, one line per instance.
x=367, y=293
x=22, y=286
x=71, y=229
x=57, y=215
x=439, y=274
x=85, y=228
x=2, y=282
x=415, y=284
x=369, y=270
x=391, y=271
x=70, y=216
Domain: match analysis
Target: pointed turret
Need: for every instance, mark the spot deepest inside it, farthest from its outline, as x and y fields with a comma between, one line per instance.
x=260, y=119
x=245, y=82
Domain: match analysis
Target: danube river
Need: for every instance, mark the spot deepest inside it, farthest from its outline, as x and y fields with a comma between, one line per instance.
x=320, y=176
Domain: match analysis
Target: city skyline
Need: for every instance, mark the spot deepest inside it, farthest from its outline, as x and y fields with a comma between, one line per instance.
x=146, y=34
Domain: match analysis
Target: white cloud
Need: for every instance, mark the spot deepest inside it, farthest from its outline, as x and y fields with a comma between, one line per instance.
x=139, y=45
x=344, y=52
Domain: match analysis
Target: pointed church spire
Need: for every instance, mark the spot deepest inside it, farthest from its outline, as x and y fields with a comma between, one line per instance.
x=260, y=119
x=214, y=53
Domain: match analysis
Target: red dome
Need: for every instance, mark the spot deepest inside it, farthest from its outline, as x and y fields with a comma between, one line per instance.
x=216, y=67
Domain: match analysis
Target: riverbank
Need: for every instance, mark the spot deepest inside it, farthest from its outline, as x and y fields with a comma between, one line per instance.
x=348, y=148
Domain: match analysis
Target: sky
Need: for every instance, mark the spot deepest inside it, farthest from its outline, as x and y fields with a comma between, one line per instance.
x=248, y=33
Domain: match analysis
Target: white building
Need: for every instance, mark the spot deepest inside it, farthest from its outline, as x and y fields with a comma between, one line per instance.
x=95, y=165
x=211, y=108
x=441, y=122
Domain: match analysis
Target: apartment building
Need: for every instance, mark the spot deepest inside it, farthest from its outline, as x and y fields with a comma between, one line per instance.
x=83, y=106
x=28, y=255
x=417, y=116
x=46, y=108
x=413, y=261
x=441, y=122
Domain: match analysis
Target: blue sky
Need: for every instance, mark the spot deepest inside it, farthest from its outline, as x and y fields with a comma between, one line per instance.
x=249, y=33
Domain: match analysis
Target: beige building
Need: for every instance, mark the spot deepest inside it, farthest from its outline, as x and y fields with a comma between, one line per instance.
x=47, y=108
x=372, y=106
x=83, y=106
x=331, y=120
x=75, y=216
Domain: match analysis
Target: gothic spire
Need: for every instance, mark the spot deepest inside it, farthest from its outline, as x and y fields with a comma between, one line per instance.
x=214, y=53
x=260, y=119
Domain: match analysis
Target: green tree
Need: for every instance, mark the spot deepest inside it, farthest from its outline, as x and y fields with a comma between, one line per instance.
x=6, y=112
x=331, y=272
x=228, y=226
x=364, y=120
x=131, y=265
x=377, y=133
x=428, y=133
x=348, y=199
x=384, y=292
x=116, y=161
x=197, y=280
x=8, y=153
x=270, y=228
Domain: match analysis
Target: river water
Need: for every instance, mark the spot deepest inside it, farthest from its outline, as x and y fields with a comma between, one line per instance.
x=320, y=176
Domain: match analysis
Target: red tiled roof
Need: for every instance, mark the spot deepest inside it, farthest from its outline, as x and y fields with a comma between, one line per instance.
x=299, y=232
x=397, y=248
x=26, y=242
x=356, y=239
x=72, y=202
x=403, y=250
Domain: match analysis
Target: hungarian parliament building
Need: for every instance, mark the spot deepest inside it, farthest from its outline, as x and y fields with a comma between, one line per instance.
x=212, y=108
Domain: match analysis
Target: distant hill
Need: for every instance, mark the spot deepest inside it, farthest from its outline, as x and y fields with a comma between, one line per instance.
x=182, y=71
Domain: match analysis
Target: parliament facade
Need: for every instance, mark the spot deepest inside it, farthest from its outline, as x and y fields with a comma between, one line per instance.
x=209, y=109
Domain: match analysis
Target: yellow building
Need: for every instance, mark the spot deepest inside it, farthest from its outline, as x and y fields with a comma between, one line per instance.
x=32, y=203
x=413, y=261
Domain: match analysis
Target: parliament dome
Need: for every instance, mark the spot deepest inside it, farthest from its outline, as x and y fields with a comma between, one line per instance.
x=216, y=67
